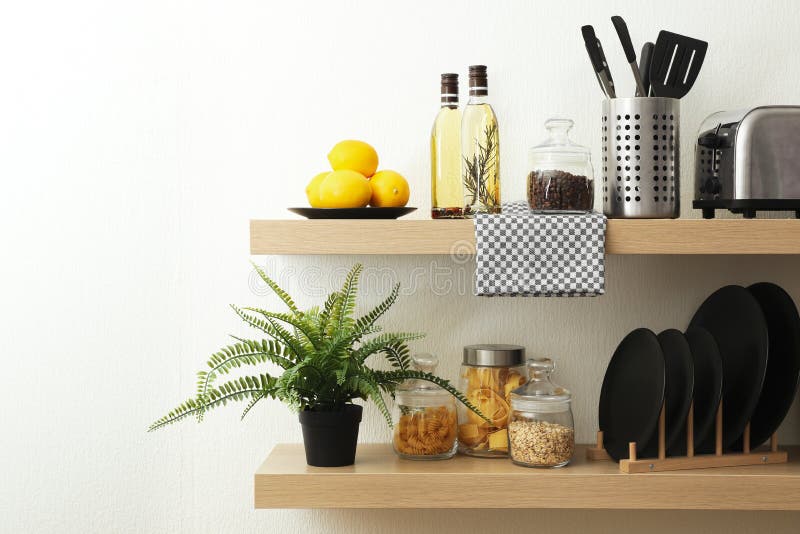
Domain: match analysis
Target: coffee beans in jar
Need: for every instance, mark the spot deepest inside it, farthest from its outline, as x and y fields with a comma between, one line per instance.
x=561, y=178
x=554, y=190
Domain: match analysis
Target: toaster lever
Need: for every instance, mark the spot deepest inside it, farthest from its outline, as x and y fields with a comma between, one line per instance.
x=710, y=140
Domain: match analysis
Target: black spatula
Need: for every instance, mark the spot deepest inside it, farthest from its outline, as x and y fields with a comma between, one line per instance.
x=675, y=64
x=644, y=65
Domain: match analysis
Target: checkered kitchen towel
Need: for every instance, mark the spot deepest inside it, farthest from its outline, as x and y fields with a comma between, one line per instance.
x=521, y=253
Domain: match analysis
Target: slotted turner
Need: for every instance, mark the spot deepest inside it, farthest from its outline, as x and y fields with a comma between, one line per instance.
x=675, y=64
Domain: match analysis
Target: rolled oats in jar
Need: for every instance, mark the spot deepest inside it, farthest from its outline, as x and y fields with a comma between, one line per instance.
x=541, y=431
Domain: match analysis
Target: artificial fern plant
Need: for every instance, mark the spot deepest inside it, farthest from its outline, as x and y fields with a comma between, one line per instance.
x=322, y=353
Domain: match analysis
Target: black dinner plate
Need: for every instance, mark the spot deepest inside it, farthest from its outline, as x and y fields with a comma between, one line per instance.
x=678, y=388
x=783, y=365
x=352, y=213
x=707, y=387
x=734, y=318
x=632, y=393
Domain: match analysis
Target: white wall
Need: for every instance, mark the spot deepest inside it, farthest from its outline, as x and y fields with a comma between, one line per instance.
x=138, y=138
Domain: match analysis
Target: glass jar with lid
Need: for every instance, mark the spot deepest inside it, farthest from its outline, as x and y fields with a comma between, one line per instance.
x=425, y=417
x=541, y=431
x=488, y=375
x=561, y=179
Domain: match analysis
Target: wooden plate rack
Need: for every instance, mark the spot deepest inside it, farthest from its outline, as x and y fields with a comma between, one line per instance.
x=634, y=464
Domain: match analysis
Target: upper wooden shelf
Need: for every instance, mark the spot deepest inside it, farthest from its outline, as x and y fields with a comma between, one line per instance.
x=380, y=479
x=650, y=236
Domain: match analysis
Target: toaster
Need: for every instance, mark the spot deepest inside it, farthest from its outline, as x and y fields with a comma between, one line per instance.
x=748, y=161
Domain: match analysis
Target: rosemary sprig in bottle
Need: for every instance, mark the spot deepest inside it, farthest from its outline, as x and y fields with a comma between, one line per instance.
x=478, y=182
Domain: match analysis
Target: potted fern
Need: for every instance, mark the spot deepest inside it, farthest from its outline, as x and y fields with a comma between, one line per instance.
x=323, y=356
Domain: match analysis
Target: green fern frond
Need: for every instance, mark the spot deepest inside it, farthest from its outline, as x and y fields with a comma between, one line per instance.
x=255, y=322
x=283, y=295
x=367, y=388
x=398, y=355
x=389, y=378
x=381, y=342
x=325, y=314
x=370, y=318
x=273, y=330
x=342, y=311
x=246, y=352
x=256, y=397
x=303, y=324
x=235, y=390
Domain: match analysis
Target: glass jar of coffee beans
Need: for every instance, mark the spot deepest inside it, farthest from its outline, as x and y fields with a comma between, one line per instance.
x=561, y=179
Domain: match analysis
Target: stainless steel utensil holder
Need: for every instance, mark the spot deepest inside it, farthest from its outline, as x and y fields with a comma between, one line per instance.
x=641, y=158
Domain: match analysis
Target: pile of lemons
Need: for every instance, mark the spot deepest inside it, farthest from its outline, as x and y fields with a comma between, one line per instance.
x=354, y=182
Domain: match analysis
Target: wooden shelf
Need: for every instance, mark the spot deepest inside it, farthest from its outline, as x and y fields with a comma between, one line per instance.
x=653, y=236
x=380, y=479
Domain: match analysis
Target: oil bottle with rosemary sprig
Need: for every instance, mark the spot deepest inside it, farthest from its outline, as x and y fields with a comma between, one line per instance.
x=480, y=148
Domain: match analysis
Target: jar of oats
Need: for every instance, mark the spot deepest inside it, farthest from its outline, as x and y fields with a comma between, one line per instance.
x=541, y=431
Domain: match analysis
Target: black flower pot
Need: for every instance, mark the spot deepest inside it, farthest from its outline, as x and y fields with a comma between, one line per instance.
x=330, y=437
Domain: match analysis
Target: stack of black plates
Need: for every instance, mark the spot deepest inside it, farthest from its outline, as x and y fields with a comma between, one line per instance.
x=742, y=348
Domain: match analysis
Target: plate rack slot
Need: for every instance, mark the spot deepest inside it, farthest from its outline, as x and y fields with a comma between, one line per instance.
x=634, y=464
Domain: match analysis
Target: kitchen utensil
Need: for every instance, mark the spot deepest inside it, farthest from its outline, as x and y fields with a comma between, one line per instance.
x=596, y=75
x=707, y=365
x=352, y=213
x=598, y=59
x=747, y=160
x=632, y=393
x=783, y=365
x=675, y=64
x=630, y=53
x=644, y=66
x=678, y=387
x=641, y=158
x=734, y=317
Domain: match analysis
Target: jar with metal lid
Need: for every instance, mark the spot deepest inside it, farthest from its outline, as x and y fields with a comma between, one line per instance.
x=541, y=431
x=425, y=417
x=488, y=375
x=561, y=179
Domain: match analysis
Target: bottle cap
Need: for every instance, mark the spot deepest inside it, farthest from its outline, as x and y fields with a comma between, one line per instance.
x=478, y=80
x=449, y=88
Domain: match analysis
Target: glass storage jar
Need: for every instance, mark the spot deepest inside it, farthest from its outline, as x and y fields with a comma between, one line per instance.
x=541, y=431
x=488, y=375
x=561, y=178
x=425, y=418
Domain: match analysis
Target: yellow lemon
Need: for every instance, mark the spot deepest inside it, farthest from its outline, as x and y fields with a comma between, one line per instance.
x=389, y=190
x=312, y=189
x=344, y=189
x=354, y=156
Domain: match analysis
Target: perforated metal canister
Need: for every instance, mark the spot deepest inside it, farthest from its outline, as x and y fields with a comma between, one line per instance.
x=641, y=158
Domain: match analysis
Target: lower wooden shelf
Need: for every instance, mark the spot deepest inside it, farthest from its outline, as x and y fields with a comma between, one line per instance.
x=380, y=479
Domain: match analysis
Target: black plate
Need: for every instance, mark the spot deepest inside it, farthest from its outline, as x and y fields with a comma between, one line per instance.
x=707, y=387
x=352, y=213
x=632, y=393
x=678, y=388
x=783, y=366
x=734, y=318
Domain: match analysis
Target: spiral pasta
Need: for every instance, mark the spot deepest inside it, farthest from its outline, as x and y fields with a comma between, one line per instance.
x=425, y=431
